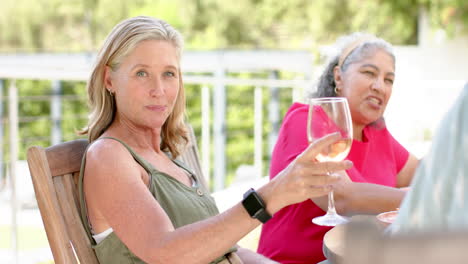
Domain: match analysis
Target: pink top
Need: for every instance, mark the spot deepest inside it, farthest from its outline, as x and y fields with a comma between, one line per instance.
x=290, y=236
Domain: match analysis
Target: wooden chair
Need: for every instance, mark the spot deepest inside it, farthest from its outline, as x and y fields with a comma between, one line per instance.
x=191, y=156
x=365, y=244
x=55, y=171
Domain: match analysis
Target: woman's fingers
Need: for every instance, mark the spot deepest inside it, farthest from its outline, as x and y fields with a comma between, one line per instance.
x=310, y=168
x=318, y=145
x=330, y=166
x=320, y=180
x=315, y=178
x=308, y=178
x=317, y=191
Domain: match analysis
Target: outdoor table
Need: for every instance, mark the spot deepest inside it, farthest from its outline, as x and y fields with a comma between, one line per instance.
x=334, y=239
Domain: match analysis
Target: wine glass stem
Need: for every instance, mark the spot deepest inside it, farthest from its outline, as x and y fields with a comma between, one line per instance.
x=331, y=204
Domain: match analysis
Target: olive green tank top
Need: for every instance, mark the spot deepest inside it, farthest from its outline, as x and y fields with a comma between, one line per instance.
x=184, y=205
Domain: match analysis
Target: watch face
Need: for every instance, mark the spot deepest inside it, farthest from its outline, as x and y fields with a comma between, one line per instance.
x=252, y=203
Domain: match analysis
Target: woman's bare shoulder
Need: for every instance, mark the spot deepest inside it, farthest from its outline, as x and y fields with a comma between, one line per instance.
x=106, y=147
x=109, y=155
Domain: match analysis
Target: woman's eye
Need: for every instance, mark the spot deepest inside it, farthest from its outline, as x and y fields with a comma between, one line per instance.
x=369, y=73
x=389, y=81
x=141, y=74
x=169, y=74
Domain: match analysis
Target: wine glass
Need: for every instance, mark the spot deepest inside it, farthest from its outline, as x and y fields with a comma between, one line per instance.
x=329, y=115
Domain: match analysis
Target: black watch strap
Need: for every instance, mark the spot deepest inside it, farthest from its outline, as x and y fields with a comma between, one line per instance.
x=262, y=215
x=255, y=206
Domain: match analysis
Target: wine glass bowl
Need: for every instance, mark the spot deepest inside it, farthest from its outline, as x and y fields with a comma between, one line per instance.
x=335, y=152
x=326, y=116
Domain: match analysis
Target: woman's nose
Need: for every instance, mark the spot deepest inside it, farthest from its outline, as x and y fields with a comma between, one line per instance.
x=377, y=85
x=157, y=88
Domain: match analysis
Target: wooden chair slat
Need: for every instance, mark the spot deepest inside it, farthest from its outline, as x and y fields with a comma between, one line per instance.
x=74, y=183
x=191, y=156
x=49, y=206
x=65, y=187
x=66, y=157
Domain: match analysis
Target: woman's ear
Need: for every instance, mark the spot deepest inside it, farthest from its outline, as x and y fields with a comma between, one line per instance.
x=337, y=76
x=108, y=79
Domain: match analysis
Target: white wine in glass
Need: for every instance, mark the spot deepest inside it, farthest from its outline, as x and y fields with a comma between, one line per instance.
x=330, y=115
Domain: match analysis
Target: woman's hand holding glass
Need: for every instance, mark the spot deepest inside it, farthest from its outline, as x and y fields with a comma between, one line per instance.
x=304, y=177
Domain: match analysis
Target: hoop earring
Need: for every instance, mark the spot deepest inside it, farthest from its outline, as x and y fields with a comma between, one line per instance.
x=336, y=90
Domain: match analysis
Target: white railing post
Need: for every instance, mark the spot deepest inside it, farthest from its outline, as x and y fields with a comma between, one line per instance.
x=1, y=128
x=13, y=125
x=219, y=129
x=297, y=94
x=258, y=130
x=205, y=132
x=56, y=112
x=273, y=112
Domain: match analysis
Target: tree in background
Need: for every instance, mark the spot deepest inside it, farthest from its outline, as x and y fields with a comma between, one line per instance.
x=81, y=25
x=450, y=15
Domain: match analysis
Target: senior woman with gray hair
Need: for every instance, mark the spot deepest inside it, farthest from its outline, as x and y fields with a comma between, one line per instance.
x=362, y=71
x=139, y=204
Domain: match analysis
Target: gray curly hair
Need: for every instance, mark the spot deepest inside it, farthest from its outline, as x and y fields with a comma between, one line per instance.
x=349, y=49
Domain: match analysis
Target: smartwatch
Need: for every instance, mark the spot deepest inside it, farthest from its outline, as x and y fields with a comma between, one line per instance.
x=255, y=206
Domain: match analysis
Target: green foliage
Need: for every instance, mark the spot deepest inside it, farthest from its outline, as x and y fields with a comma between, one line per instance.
x=74, y=109
x=450, y=15
x=34, y=111
x=34, y=125
x=82, y=25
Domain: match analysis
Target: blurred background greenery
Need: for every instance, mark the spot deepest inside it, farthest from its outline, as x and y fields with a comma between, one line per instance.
x=81, y=25
x=72, y=26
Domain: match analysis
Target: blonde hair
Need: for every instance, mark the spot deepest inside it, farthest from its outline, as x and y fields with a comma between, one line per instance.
x=119, y=43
